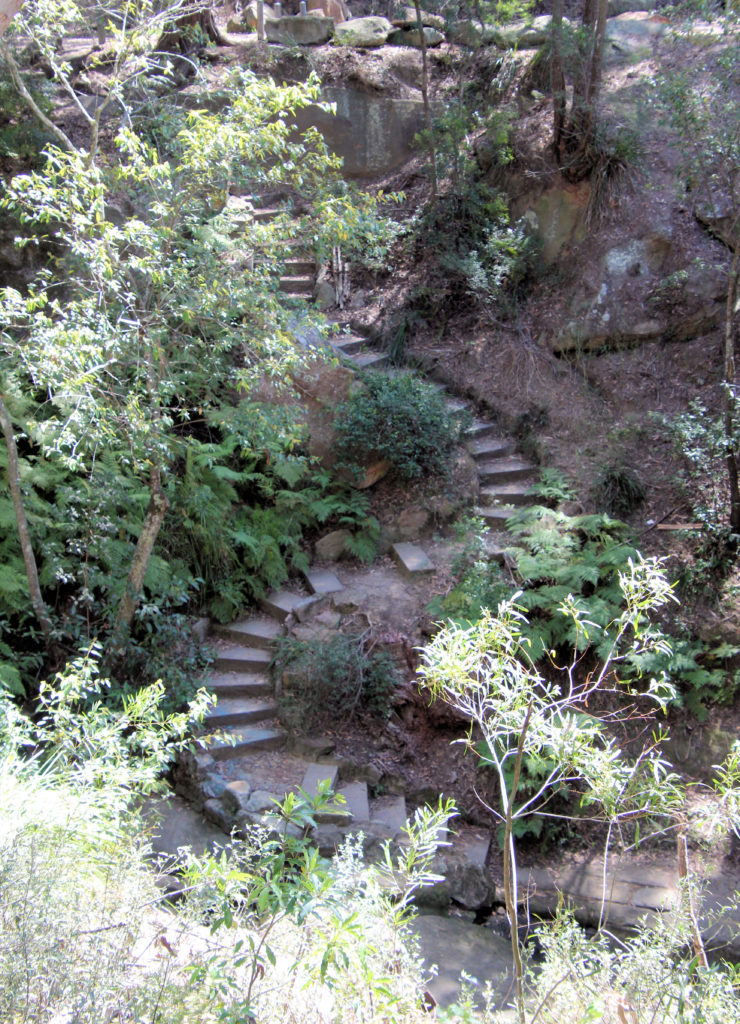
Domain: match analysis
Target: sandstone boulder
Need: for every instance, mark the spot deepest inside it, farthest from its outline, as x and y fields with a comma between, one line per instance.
x=300, y=30
x=412, y=37
x=364, y=33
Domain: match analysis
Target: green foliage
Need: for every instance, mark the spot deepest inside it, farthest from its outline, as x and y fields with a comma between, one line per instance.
x=264, y=928
x=399, y=418
x=21, y=138
x=618, y=491
x=330, y=681
x=552, y=486
x=700, y=438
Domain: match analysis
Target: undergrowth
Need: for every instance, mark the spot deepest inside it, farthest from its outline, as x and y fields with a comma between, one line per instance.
x=331, y=681
x=554, y=557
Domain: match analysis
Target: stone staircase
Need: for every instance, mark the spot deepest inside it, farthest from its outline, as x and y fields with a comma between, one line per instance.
x=504, y=476
x=298, y=279
x=247, y=761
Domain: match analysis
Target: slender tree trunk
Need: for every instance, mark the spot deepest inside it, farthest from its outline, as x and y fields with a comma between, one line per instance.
x=8, y=10
x=586, y=86
x=511, y=894
x=425, y=98
x=730, y=415
x=557, y=80
x=688, y=896
x=24, y=534
x=158, y=505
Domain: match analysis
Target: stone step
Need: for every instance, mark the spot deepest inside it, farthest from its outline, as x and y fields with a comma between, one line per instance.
x=243, y=740
x=479, y=429
x=487, y=447
x=239, y=684
x=242, y=659
x=455, y=406
x=513, y=493
x=253, y=632
x=370, y=360
x=263, y=213
x=495, y=516
x=296, y=296
x=302, y=285
x=240, y=711
x=322, y=581
x=282, y=603
x=502, y=471
x=316, y=773
x=411, y=559
x=297, y=267
x=389, y=811
x=348, y=344
x=356, y=800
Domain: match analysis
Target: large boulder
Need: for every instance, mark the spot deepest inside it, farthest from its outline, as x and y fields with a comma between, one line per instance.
x=412, y=37
x=633, y=34
x=524, y=35
x=407, y=19
x=300, y=30
x=363, y=32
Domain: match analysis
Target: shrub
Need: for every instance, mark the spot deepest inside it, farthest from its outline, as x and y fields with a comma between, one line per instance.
x=400, y=419
x=330, y=680
x=618, y=491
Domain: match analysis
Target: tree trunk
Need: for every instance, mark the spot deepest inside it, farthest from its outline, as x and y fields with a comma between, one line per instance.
x=8, y=10
x=425, y=98
x=183, y=36
x=557, y=80
x=578, y=156
x=733, y=295
x=158, y=505
x=24, y=535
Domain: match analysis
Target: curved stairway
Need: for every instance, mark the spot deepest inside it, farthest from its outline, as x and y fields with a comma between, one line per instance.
x=243, y=728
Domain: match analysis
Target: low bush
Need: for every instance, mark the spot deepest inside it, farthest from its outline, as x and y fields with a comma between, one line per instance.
x=401, y=419
x=328, y=681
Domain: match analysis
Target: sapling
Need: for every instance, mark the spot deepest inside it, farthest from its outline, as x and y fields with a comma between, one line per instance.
x=485, y=671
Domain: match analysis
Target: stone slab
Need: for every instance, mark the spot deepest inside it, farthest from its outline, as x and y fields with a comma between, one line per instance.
x=508, y=494
x=411, y=559
x=253, y=632
x=239, y=684
x=496, y=515
x=282, y=603
x=243, y=740
x=316, y=773
x=175, y=825
x=322, y=581
x=242, y=659
x=356, y=800
x=369, y=360
x=240, y=711
x=505, y=470
x=483, y=447
x=389, y=811
x=455, y=946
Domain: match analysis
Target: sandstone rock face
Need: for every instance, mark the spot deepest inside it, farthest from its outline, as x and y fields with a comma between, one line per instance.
x=337, y=10
x=372, y=134
x=300, y=30
x=331, y=546
x=363, y=32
